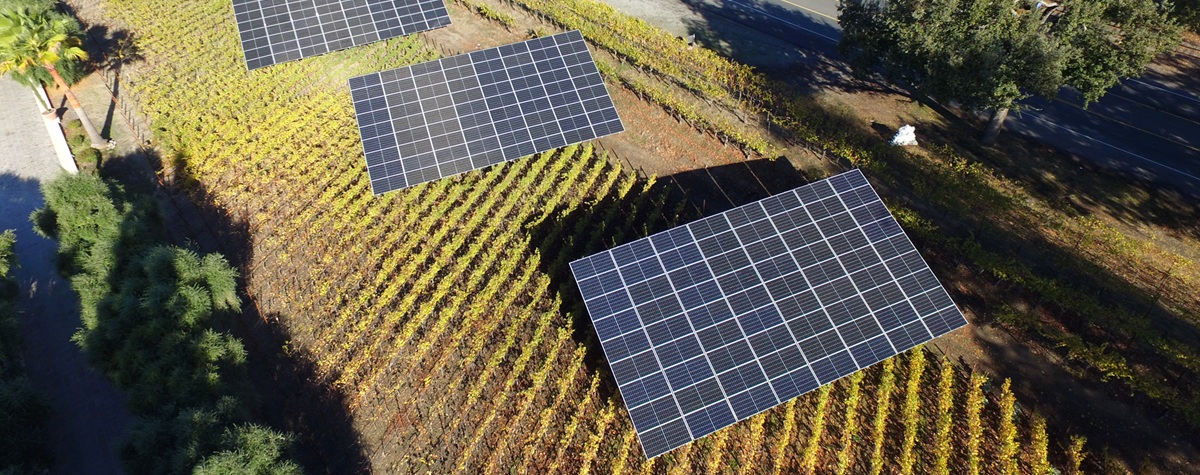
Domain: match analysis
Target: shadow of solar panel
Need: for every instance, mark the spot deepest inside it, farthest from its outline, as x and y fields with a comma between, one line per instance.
x=275, y=31
x=718, y=320
x=441, y=118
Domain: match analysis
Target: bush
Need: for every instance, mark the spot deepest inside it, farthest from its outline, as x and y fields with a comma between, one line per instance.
x=23, y=412
x=153, y=321
x=253, y=450
x=88, y=156
x=9, y=338
x=76, y=136
x=1187, y=12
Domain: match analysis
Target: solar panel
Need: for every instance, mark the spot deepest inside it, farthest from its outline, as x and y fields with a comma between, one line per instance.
x=712, y=322
x=274, y=31
x=441, y=118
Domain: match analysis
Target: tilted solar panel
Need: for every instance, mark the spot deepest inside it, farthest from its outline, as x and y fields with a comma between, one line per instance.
x=275, y=31
x=709, y=323
x=441, y=118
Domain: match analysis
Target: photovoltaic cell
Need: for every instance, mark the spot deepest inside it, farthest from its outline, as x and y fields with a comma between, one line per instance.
x=712, y=322
x=274, y=31
x=441, y=118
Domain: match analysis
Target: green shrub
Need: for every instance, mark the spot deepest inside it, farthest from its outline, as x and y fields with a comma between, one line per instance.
x=24, y=442
x=81, y=214
x=251, y=450
x=154, y=319
x=76, y=136
x=88, y=156
x=9, y=337
x=24, y=439
x=73, y=128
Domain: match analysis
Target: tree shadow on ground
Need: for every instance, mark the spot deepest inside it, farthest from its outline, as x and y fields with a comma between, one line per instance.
x=88, y=419
x=799, y=48
x=109, y=50
x=1069, y=182
x=1075, y=396
x=1073, y=183
x=1178, y=68
x=118, y=49
x=805, y=29
x=290, y=395
x=1102, y=408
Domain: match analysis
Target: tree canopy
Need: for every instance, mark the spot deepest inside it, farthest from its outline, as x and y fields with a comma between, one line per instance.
x=32, y=39
x=1188, y=14
x=155, y=320
x=72, y=70
x=991, y=54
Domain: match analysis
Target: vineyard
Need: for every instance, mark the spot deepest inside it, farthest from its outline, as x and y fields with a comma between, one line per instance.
x=1119, y=306
x=444, y=315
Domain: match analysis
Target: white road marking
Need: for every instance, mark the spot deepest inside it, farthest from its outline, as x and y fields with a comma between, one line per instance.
x=793, y=25
x=1131, y=126
x=1101, y=142
x=1163, y=89
x=802, y=7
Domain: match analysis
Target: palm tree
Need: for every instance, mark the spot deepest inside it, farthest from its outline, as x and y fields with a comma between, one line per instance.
x=30, y=39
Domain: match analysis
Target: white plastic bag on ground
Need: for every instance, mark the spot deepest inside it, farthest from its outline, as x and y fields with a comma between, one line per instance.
x=907, y=135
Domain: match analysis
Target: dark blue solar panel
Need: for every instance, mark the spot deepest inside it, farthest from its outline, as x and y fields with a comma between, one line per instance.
x=275, y=31
x=710, y=323
x=441, y=118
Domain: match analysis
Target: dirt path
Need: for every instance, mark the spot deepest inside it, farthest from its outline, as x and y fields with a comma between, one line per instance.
x=89, y=420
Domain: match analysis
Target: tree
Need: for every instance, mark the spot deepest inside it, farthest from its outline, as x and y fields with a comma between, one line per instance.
x=1188, y=14
x=154, y=320
x=30, y=38
x=37, y=76
x=252, y=450
x=991, y=54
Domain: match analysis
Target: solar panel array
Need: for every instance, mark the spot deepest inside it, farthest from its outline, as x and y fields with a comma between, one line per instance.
x=275, y=31
x=441, y=118
x=709, y=323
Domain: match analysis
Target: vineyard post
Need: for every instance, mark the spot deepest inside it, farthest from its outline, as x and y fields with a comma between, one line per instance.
x=1159, y=288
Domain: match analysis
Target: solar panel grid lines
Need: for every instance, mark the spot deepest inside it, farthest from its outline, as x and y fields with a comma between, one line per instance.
x=444, y=117
x=276, y=31
x=717, y=320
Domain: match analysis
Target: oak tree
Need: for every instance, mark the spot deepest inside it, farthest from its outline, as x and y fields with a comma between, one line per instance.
x=992, y=54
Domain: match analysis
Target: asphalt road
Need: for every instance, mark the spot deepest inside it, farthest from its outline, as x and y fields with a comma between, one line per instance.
x=1147, y=126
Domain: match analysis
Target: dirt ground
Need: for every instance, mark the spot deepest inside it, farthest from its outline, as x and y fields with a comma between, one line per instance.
x=1039, y=375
